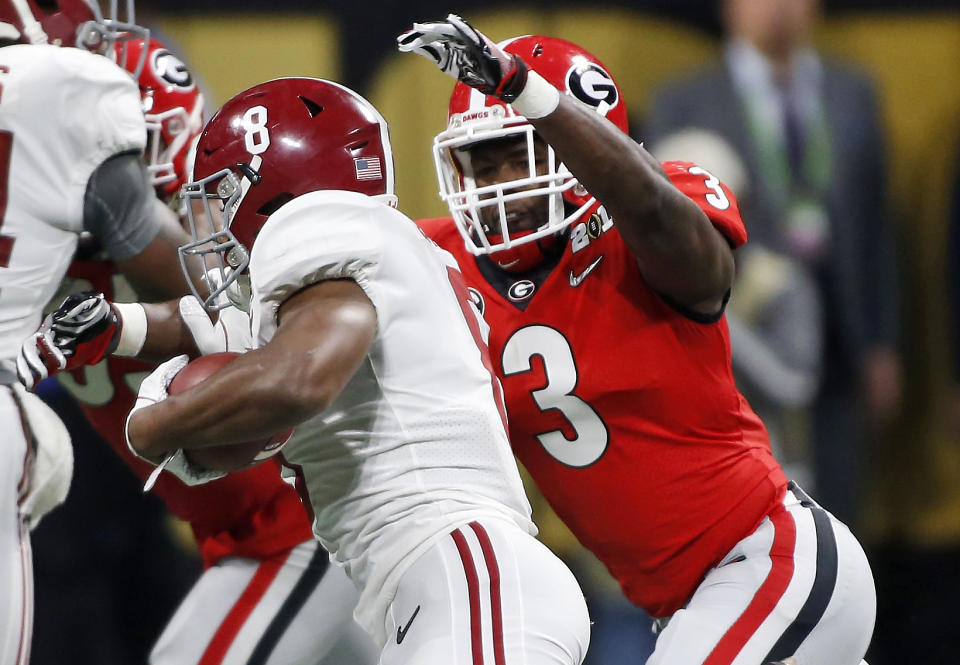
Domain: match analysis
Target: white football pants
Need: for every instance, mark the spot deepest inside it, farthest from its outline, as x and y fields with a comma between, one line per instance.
x=294, y=609
x=488, y=593
x=799, y=586
x=16, y=568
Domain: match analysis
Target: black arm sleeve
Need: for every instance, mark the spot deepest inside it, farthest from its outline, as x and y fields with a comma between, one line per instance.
x=119, y=204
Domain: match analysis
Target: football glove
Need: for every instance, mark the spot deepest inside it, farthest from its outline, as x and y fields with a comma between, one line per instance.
x=154, y=389
x=466, y=54
x=231, y=332
x=80, y=332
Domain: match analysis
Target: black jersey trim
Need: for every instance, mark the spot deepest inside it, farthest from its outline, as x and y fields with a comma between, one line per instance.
x=693, y=315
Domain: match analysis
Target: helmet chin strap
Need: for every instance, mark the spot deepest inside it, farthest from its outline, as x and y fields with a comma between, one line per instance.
x=32, y=29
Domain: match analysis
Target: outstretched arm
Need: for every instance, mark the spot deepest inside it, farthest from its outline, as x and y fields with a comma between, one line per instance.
x=679, y=251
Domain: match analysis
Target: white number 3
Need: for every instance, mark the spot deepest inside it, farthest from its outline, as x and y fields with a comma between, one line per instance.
x=256, y=138
x=590, y=434
x=717, y=198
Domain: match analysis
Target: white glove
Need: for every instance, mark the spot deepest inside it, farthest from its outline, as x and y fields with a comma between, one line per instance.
x=231, y=332
x=468, y=55
x=152, y=391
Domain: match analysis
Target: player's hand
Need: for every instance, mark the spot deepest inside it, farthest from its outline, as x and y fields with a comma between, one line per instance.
x=80, y=332
x=154, y=389
x=468, y=55
x=231, y=332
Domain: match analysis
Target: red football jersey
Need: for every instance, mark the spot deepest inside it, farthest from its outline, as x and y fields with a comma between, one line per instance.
x=251, y=513
x=625, y=411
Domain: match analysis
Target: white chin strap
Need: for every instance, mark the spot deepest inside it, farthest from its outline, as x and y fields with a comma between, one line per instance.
x=32, y=29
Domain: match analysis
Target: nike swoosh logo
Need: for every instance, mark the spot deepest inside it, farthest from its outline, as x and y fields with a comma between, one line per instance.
x=402, y=632
x=576, y=280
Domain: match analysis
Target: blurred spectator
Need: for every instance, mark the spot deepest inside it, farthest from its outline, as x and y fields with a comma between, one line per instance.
x=810, y=136
x=774, y=315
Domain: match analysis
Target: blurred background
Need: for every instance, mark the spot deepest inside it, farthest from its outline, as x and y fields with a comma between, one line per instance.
x=873, y=425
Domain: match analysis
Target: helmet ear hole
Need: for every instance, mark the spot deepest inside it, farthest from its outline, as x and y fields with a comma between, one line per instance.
x=274, y=204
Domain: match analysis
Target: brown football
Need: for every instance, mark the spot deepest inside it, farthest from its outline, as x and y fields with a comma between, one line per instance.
x=230, y=457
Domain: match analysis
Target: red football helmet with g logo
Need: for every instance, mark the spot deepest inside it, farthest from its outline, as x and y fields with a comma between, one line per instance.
x=267, y=146
x=474, y=118
x=172, y=107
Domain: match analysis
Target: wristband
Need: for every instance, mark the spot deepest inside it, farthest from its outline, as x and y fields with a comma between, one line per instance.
x=133, y=328
x=538, y=98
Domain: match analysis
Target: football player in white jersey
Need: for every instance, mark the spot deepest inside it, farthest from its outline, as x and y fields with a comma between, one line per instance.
x=71, y=134
x=367, y=342
x=267, y=590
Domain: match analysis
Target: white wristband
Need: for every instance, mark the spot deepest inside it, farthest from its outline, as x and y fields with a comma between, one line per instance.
x=133, y=328
x=537, y=99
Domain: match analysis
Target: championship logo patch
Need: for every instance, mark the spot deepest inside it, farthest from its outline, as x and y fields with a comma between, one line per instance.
x=368, y=168
x=168, y=67
x=592, y=85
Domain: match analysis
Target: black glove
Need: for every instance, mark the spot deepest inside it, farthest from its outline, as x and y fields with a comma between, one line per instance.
x=463, y=52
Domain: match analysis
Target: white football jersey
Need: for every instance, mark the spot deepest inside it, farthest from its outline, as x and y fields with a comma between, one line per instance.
x=415, y=444
x=63, y=111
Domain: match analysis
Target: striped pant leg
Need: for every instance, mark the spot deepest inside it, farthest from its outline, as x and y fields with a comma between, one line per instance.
x=292, y=609
x=799, y=586
x=16, y=568
x=487, y=594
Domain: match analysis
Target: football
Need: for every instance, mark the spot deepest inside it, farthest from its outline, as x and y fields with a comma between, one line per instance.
x=232, y=457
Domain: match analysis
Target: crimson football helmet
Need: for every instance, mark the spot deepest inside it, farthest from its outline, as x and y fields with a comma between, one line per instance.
x=474, y=118
x=70, y=23
x=172, y=107
x=265, y=147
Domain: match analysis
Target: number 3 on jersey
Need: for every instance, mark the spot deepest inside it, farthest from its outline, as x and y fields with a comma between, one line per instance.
x=590, y=432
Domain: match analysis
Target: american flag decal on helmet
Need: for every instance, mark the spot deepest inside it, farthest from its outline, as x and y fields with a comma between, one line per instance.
x=368, y=168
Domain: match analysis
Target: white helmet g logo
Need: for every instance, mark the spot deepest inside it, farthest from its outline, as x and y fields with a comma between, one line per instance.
x=168, y=67
x=592, y=85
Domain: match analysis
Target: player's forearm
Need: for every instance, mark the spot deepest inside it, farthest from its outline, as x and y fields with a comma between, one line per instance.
x=680, y=253
x=246, y=400
x=153, y=331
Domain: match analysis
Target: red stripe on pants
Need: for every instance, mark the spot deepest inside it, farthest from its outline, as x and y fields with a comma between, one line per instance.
x=767, y=596
x=227, y=632
x=490, y=557
x=473, y=590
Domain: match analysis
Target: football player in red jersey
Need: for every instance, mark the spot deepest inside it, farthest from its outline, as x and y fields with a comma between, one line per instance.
x=268, y=593
x=604, y=275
